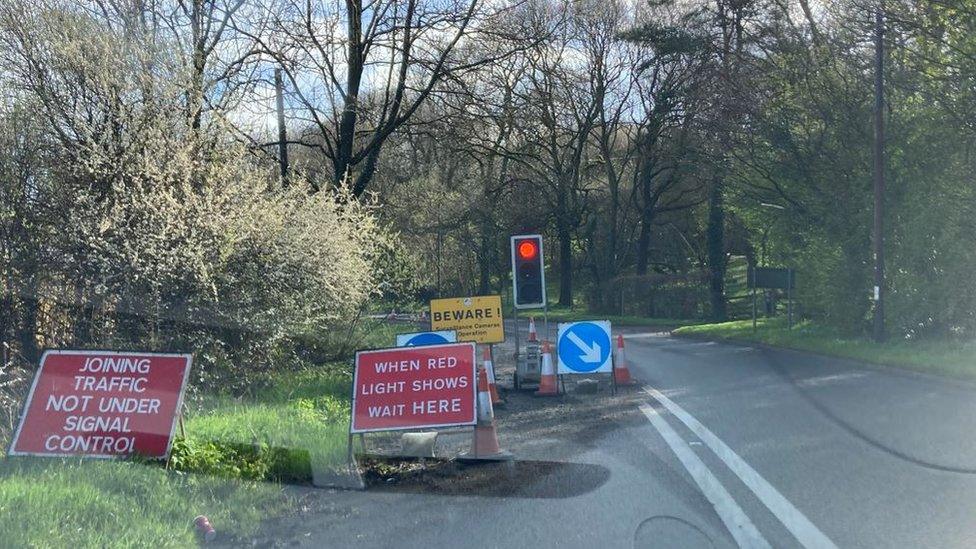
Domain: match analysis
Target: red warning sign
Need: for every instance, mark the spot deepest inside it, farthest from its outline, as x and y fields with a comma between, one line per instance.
x=414, y=387
x=102, y=404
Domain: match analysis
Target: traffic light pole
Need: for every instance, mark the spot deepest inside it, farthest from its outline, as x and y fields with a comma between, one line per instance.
x=545, y=319
x=517, y=344
x=879, y=178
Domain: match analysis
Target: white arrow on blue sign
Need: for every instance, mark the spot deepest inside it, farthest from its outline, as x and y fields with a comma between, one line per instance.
x=584, y=347
x=417, y=339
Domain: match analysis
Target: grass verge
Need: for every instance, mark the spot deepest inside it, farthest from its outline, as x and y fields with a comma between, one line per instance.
x=950, y=358
x=293, y=422
x=94, y=503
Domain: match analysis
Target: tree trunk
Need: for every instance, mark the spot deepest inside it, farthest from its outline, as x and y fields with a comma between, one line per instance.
x=716, y=250
x=485, y=256
x=199, y=65
x=282, y=130
x=28, y=329
x=611, y=267
x=647, y=217
x=342, y=164
x=565, y=265
x=565, y=238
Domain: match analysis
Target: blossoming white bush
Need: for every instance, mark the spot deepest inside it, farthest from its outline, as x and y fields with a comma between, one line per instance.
x=163, y=235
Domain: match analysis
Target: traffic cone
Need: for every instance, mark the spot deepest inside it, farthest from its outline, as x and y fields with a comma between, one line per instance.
x=547, y=383
x=621, y=375
x=533, y=337
x=485, y=442
x=490, y=370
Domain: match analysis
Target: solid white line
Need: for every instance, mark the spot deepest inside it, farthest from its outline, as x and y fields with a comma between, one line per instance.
x=799, y=525
x=742, y=529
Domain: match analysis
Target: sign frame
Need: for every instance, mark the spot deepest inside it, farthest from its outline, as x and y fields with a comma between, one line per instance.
x=37, y=376
x=495, y=302
x=355, y=385
x=606, y=367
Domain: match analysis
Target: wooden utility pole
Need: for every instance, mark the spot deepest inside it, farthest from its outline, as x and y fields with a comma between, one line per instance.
x=282, y=132
x=879, y=177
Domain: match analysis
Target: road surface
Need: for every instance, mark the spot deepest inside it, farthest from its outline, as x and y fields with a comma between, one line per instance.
x=721, y=445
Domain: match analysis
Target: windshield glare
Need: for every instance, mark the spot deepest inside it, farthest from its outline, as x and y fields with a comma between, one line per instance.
x=548, y=273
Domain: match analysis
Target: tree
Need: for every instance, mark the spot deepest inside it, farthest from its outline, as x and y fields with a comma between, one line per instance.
x=360, y=71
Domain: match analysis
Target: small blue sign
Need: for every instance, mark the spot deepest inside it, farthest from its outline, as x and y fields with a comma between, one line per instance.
x=584, y=347
x=418, y=339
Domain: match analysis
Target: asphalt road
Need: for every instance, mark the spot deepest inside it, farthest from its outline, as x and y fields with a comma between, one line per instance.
x=721, y=445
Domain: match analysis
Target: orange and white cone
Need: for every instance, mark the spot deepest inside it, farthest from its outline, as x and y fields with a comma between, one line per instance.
x=485, y=442
x=621, y=374
x=490, y=371
x=533, y=337
x=548, y=385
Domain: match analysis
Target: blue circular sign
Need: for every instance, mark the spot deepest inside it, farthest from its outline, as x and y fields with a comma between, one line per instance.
x=426, y=339
x=584, y=347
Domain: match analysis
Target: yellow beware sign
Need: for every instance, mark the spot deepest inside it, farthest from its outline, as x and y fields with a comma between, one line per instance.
x=477, y=319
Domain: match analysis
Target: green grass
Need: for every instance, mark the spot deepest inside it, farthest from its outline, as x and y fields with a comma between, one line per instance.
x=339, y=345
x=950, y=358
x=737, y=293
x=296, y=420
x=306, y=411
x=382, y=334
x=93, y=503
x=572, y=315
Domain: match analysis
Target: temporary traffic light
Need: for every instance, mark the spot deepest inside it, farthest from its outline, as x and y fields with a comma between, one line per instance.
x=528, y=272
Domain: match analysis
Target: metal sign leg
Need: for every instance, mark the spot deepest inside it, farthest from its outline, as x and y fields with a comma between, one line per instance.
x=754, y=309
x=789, y=302
x=517, y=344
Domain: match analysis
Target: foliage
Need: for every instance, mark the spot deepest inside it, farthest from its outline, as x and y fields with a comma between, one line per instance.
x=132, y=226
x=288, y=423
x=810, y=154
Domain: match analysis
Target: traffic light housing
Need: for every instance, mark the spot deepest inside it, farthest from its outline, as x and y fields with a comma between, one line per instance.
x=528, y=272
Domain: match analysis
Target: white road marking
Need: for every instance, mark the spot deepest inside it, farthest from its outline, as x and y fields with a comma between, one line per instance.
x=742, y=529
x=799, y=525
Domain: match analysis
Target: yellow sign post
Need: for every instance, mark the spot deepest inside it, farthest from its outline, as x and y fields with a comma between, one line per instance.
x=477, y=319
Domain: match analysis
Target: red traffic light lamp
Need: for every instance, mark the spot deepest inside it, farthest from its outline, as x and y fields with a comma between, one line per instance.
x=527, y=249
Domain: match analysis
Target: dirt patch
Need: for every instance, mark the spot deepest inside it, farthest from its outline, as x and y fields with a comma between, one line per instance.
x=529, y=479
